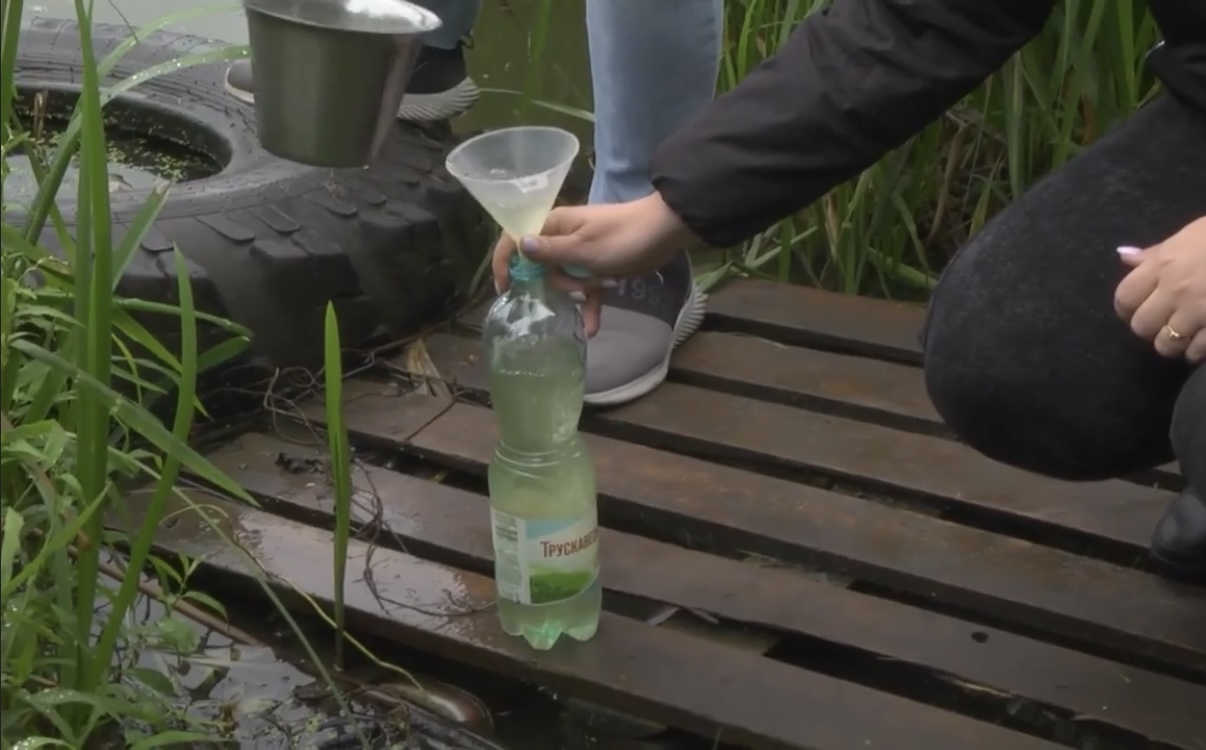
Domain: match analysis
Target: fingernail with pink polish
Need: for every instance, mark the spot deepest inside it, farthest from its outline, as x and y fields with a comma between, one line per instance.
x=1129, y=250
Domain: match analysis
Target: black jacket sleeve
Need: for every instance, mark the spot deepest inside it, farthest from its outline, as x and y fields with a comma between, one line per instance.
x=852, y=83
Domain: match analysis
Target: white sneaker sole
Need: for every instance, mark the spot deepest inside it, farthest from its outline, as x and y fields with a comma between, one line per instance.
x=445, y=105
x=689, y=320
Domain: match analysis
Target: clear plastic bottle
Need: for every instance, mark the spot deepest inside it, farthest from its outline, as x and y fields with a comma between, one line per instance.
x=542, y=483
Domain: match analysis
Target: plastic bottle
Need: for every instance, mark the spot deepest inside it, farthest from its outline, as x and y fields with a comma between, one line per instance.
x=542, y=483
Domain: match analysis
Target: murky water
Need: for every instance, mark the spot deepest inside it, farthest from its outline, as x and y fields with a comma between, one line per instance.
x=244, y=690
x=247, y=691
x=499, y=59
x=136, y=160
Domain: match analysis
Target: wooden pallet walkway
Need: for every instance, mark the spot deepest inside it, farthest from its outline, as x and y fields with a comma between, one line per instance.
x=844, y=574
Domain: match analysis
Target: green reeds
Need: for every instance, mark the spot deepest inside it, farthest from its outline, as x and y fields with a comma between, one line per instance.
x=340, y=468
x=77, y=373
x=891, y=230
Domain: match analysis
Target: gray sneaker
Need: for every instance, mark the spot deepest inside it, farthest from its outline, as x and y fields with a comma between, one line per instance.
x=440, y=87
x=643, y=321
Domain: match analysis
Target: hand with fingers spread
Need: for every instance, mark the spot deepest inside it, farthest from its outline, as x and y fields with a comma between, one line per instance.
x=1164, y=295
x=608, y=240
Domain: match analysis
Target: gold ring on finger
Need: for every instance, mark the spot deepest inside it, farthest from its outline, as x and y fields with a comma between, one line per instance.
x=1173, y=335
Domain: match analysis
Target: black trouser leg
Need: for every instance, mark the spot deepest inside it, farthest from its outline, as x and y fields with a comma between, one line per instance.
x=1025, y=358
x=1189, y=431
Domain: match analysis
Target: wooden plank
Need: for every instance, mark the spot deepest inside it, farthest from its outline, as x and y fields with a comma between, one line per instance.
x=951, y=473
x=852, y=386
x=707, y=423
x=799, y=315
x=814, y=317
x=804, y=316
x=761, y=368
x=434, y=519
x=1084, y=600
x=649, y=672
x=870, y=390
x=841, y=384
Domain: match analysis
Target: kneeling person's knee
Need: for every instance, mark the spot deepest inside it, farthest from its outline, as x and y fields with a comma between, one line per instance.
x=1014, y=395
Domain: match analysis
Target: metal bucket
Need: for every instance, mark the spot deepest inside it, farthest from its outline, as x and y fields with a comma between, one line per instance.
x=330, y=74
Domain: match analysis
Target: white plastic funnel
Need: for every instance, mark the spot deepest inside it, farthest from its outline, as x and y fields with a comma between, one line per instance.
x=515, y=174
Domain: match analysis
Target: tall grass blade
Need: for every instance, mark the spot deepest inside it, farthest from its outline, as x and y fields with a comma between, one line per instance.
x=54, y=545
x=95, y=356
x=10, y=40
x=139, y=420
x=10, y=546
x=140, y=547
x=137, y=231
x=537, y=41
x=340, y=468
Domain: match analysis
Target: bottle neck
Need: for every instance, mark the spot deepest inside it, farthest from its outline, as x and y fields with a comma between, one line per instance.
x=525, y=273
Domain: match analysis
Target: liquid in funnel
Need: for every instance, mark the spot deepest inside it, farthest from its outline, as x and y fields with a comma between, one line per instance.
x=515, y=174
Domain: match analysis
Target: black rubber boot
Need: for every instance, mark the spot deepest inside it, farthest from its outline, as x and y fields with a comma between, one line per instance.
x=1179, y=542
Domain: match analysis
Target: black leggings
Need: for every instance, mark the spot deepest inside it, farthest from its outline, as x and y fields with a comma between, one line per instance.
x=1025, y=358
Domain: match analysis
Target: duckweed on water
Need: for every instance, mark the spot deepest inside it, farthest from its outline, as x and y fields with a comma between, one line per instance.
x=141, y=150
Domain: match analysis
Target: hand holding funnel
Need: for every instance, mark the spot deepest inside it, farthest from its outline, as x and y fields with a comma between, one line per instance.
x=516, y=175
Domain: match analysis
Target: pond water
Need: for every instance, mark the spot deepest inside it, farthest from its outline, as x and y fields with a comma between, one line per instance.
x=137, y=160
x=248, y=678
x=254, y=688
x=498, y=59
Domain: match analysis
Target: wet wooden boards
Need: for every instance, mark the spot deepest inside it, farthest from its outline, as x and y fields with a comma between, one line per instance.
x=745, y=352
x=725, y=693
x=939, y=473
x=982, y=595
x=818, y=319
x=448, y=524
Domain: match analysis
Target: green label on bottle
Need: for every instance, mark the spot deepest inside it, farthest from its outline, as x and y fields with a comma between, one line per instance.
x=544, y=561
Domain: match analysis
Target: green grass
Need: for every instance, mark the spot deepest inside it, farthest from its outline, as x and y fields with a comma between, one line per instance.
x=78, y=373
x=891, y=230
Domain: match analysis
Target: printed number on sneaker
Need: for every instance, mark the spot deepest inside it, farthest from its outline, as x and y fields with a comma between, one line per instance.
x=641, y=290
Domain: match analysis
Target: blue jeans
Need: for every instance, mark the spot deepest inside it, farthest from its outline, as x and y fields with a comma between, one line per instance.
x=653, y=65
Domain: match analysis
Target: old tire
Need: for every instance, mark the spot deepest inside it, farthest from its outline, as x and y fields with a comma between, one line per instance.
x=268, y=242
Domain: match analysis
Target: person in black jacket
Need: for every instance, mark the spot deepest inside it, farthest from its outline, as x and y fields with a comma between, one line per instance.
x=1028, y=356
